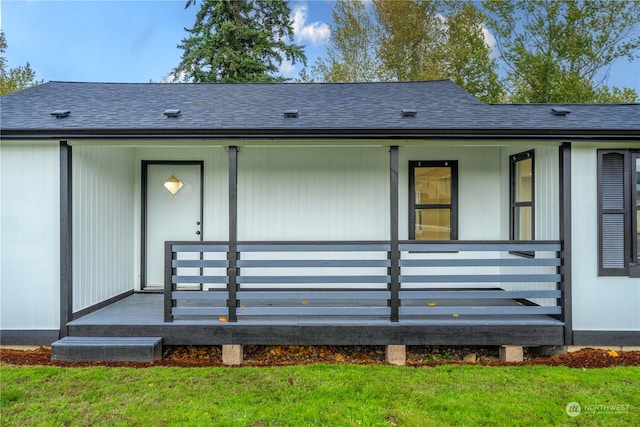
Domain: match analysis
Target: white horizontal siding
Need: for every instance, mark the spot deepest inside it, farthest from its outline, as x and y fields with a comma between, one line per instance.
x=599, y=303
x=103, y=221
x=30, y=235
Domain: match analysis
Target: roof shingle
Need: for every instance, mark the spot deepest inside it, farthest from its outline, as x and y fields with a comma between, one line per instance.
x=440, y=105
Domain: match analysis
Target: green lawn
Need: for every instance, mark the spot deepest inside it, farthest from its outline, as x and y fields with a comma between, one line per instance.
x=324, y=395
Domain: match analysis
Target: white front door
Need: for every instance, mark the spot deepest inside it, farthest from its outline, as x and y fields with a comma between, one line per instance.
x=173, y=212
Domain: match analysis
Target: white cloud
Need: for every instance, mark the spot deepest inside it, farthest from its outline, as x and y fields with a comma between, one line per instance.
x=287, y=68
x=315, y=32
x=489, y=39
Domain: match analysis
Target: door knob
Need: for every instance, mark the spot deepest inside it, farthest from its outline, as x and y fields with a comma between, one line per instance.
x=198, y=232
x=197, y=222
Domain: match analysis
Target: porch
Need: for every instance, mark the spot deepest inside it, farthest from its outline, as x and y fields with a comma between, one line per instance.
x=347, y=293
x=286, y=286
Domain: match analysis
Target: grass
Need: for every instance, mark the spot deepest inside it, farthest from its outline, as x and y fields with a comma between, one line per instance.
x=321, y=395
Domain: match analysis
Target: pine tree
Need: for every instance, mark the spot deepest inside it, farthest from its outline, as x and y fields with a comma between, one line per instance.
x=238, y=41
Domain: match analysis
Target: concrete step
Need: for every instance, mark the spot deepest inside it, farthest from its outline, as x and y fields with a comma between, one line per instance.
x=107, y=349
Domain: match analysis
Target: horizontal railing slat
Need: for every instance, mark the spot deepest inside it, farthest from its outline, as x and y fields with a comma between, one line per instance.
x=202, y=247
x=479, y=278
x=488, y=294
x=221, y=295
x=202, y=263
x=293, y=263
x=312, y=279
x=479, y=310
x=483, y=262
x=199, y=279
x=314, y=311
x=462, y=246
x=313, y=295
x=313, y=247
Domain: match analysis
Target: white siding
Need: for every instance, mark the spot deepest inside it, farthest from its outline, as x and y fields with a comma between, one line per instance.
x=547, y=193
x=599, y=303
x=547, y=200
x=479, y=211
x=30, y=235
x=103, y=224
x=313, y=193
x=483, y=202
x=547, y=190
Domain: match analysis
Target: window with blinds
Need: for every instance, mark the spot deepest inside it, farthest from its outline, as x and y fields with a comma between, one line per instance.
x=614, y=213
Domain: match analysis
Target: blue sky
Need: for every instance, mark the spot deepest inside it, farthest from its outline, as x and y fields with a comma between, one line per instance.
x=136, y=41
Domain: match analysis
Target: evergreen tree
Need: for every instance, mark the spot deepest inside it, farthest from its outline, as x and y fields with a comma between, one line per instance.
x=238, y=41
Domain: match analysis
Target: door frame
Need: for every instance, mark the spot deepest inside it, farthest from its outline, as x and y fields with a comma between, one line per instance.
x=143, y=220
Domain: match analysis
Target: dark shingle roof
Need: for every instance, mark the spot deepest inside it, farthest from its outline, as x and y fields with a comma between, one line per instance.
x=112, y=109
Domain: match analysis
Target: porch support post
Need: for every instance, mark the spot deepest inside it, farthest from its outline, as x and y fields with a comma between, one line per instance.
x=394, y=256
x=232, y=255
x=66, y=238
x=565, y=237
x=169, y=302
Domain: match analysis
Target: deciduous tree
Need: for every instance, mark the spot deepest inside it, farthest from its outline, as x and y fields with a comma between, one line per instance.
x=561, y=50
x=409, y=41
x=14, y=79
x=351, y=55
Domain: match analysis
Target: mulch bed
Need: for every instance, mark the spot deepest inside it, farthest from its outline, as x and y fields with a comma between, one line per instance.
x=196, y=356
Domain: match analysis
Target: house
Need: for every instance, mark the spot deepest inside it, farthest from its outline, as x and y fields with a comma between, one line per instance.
x=370, y=213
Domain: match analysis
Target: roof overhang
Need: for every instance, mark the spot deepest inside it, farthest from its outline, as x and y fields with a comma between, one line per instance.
x=324, y=133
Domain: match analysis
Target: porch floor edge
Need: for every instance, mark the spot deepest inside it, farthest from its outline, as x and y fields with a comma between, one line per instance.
x=525, y=335
x=142, y=315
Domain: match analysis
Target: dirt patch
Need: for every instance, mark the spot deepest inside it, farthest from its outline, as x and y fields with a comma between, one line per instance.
x=195, y=356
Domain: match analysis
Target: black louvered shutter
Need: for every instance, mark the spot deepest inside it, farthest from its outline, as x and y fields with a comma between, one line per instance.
x=613, y=212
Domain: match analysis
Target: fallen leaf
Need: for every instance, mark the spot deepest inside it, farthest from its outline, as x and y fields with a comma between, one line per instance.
x=431, y=303
x=223, y=319
x=613, y=353
x=456, y=315
x=305, y=302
